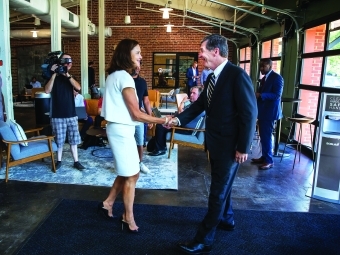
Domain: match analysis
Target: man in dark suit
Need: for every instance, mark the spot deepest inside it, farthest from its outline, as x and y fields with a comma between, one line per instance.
x=230, y=107
x=192, y=76
x=269, y=110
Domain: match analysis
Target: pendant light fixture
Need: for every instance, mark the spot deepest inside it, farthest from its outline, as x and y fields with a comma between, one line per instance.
x=168, y=27
x=127, y=19
x=166, y=10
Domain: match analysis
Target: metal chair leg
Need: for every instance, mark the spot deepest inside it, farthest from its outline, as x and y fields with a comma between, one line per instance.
x=284, y=149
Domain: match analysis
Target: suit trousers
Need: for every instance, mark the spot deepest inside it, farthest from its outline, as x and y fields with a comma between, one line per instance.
x=223, y=172
x=266, y=128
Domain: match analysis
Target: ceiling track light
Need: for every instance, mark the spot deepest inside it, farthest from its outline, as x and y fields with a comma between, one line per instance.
x=166, y=11
x=168, y=27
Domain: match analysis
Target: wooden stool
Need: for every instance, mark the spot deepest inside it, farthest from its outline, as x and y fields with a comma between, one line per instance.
x=300, y=121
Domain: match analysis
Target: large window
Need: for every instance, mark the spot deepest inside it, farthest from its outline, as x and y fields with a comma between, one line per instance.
x=319, y=69
x=272, y=49
x=245, y=56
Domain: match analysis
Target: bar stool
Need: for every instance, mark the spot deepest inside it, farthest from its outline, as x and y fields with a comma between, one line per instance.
x=300, y=121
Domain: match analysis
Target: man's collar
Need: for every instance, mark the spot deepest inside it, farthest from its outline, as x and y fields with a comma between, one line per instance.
x=219, y=69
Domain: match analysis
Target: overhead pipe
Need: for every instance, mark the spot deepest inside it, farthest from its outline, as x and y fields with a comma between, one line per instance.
x=242, y=9
x=46, y=33
x=296, y=29
x=200, y=20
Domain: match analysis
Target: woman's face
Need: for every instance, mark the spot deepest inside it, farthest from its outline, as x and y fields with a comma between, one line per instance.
x=136, y=56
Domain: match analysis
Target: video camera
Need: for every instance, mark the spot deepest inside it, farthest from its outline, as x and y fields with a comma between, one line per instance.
x=54, y=57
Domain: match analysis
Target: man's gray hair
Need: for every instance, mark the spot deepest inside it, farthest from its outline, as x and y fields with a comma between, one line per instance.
x=217, y=41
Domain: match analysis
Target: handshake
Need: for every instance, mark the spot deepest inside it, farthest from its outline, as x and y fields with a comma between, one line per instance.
x=170, y=122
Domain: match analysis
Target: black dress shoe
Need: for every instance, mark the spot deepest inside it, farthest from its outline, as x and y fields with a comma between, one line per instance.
x=226, y=226
x=157, y=153
x=257, y=160
x=193, y=247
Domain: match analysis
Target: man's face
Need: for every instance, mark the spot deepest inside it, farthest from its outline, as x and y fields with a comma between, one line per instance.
x=69, y=65
x=136, y=56
x=194, y=65
x=265, y=68
x=194, y=95
x=207, y=56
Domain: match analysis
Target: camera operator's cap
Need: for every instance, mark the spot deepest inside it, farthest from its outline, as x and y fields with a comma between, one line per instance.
x=65, y=60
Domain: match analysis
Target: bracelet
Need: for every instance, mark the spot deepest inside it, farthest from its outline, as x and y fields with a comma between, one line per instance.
x=69, y=77
x=166, y=120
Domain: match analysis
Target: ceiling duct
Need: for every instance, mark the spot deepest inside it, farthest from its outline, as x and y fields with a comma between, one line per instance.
x=40, y=9
x=46, y=33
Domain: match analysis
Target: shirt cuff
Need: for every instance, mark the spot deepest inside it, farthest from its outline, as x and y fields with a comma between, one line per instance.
x=179, y=123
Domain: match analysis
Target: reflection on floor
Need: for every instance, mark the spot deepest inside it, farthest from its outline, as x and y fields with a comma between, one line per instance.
x=24, y=205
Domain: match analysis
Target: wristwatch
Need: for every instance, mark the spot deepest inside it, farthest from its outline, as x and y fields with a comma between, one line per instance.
x=69, y=77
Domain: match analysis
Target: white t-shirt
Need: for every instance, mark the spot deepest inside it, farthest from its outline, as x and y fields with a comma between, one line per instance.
x=114, y=108
x=35, y=84
x=79, y=101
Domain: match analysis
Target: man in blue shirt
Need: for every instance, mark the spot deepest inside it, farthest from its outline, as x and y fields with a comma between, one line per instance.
x=204, y=75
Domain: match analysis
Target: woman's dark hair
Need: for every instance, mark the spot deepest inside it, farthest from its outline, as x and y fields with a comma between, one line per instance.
x=121, y=59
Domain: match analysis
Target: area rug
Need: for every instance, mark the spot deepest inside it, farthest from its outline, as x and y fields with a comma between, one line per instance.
x=99, y=170
x=74, y=227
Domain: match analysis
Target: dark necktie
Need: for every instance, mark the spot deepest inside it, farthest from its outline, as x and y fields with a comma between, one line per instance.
x=263, y=80
x=211, y=87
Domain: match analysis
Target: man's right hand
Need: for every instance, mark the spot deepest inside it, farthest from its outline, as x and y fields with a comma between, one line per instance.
x=54, y=67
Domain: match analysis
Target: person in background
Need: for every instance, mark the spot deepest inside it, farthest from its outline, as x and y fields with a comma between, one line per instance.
x=80, y=101
x=230, y=104
x=98, y=119
x=63, y=115
x=144, y=105
x=269, y=110
x=91, y=75
x=161, y=131
x=204, y=75
x=122, y=113
x=34, y=83
x=3, y=115
x=192, y=76
x=92, y=81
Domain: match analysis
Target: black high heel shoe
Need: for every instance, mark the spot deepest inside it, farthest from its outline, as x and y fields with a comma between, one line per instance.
x=126, y=227
x=101, y=209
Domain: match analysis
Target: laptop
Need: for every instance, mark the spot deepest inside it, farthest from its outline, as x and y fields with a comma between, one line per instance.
x=156, y=112
x=81, y=112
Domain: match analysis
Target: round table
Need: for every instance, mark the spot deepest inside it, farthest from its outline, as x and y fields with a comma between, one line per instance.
x=278, y=125
x=97, y=132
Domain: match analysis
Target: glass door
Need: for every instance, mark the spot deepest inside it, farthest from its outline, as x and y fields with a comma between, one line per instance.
x=169, y=69
x=184, y=61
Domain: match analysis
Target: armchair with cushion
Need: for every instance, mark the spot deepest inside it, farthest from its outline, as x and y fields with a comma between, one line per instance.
x=154, y=97
x=92, y=109
x=171, y=97
x=22, y=150
x=195, y=139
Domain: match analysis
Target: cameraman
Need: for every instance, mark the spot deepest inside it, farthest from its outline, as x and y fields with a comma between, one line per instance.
x=63, y=113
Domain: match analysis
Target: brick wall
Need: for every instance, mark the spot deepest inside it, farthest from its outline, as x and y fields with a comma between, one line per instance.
x=152, y=38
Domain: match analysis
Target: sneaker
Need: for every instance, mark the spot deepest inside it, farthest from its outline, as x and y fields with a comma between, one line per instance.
x=143, y=168
x=78, y=166
x=57, y=165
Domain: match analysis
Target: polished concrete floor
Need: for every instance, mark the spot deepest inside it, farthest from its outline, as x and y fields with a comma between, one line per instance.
x=25, y=205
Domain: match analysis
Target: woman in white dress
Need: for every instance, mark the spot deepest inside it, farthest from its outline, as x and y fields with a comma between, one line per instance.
x=121, y=111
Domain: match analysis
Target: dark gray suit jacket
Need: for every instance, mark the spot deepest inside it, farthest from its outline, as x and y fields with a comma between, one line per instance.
x=231, y=116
